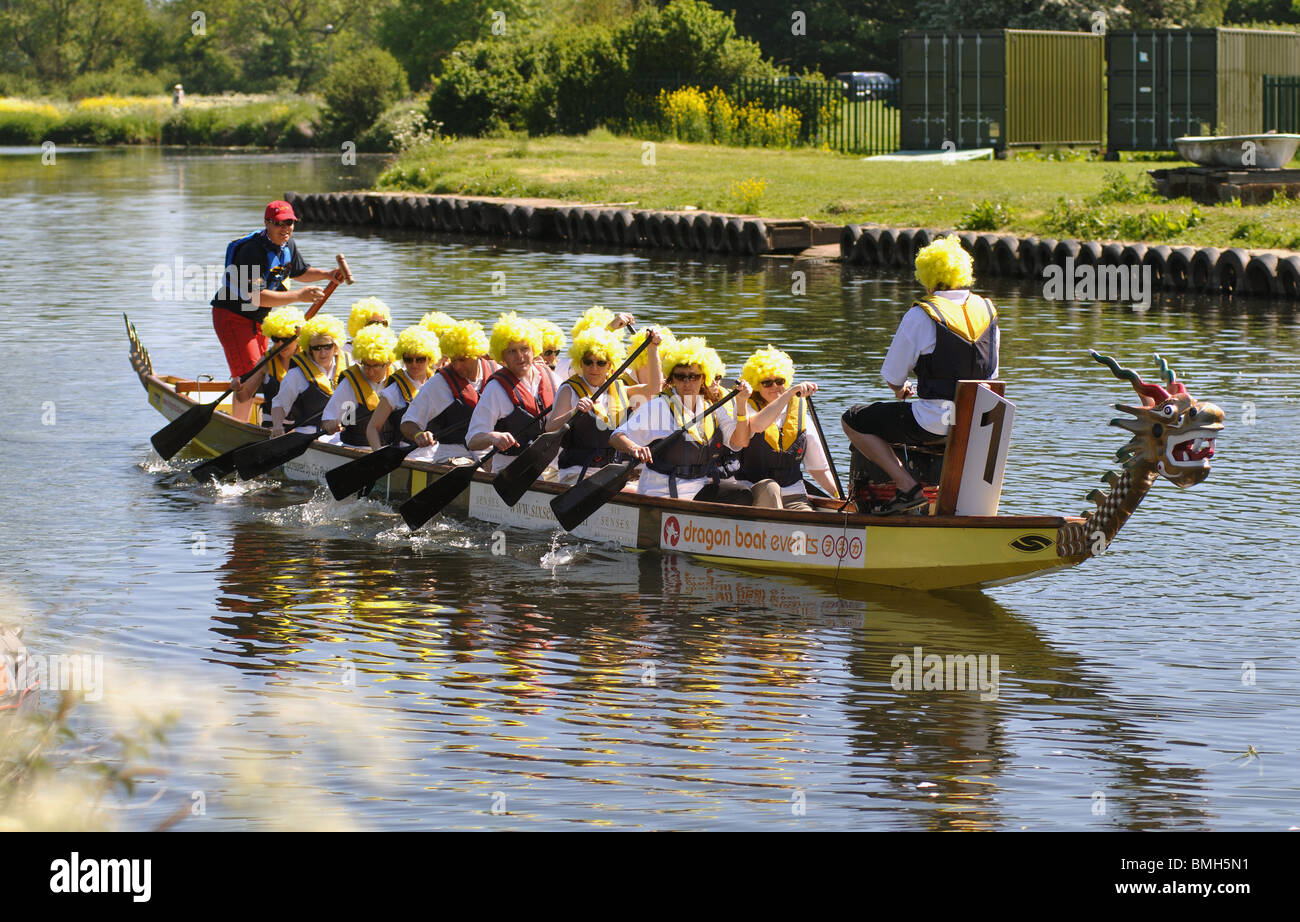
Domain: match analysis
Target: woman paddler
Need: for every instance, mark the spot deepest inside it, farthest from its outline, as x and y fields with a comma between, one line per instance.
x=356, y=397
x=438, y=418
x=553, y=343
x=690, y=470
x=597, y=352
x=281, y=326
x=420, y=354
x=365, y=312
x=773, y=437
x=512, y=409
x=314, y=372
x=437, y=323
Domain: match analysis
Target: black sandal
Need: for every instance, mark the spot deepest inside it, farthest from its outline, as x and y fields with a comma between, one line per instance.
x=902, y=502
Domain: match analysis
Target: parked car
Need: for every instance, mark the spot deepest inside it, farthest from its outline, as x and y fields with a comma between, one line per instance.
x=865, y=84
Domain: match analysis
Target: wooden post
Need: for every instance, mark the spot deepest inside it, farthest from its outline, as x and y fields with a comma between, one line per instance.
x=954, y=455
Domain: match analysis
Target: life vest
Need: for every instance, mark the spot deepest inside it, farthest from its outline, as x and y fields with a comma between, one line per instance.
x=367, y=399
x=776, y=452
x=276, y=262
x=963, y=345
x=587, y=441
x=309, y=405
x=690, y=459
x=524, y=421
x=392, y=430
x=275, y=372
x=449, y=426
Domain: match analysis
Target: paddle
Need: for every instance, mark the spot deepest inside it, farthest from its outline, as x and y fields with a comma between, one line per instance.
x=174, y=436
x=360, y=473
x=576, y=505
x=223, y=464
x=812, y=411
x=513, y=482
x=256, y=459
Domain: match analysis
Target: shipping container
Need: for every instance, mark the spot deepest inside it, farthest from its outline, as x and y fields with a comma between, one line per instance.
x=1001, y=88
x=1166, y=83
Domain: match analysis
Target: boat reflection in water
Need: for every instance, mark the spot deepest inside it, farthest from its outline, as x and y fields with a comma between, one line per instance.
x=600, y=680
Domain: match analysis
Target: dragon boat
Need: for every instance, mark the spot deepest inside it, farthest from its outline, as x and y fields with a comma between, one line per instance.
x=1172, y=435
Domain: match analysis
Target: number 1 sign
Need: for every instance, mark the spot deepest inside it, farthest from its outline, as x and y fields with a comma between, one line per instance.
x=976, y=455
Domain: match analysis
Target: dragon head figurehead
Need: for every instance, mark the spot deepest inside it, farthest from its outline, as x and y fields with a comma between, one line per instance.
x=1172, y=433
x=1172, y=436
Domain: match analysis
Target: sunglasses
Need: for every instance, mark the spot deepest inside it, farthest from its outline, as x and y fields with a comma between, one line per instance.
x=772, y=382
x=599, y=363
x=687, y=376
x=284, y=223
x=375, y=364
x=550, y=352
x=415, y=359
x=283, y=339
x=322, y=346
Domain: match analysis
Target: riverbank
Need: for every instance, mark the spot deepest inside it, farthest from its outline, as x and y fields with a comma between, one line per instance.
x=1091, y=200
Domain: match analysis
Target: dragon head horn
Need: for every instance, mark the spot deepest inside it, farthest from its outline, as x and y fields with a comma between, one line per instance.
x=1153, y=392
x=1175, y=386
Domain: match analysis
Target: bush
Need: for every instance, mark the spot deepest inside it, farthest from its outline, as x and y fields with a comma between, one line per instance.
x=483, y=87
x=403, y=126
x=985, y=215
x=358, y=88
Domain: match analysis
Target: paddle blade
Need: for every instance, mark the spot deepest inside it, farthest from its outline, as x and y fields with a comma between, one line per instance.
x=178, y=433
x=215, y=468
x=355, y=476
x=576, y=505
x=256, y=459
x=436, y=496
x=513, y=482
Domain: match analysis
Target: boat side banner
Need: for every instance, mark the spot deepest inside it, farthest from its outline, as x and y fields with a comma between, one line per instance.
x=793, y=543
x=610, y=523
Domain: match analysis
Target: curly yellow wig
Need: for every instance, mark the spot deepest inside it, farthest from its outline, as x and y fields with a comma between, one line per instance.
x=320, y=325
x=765, y=364
x=282, y=322
x=437, y=322
x=644, y=358
x=690, y=351
x=552, y=335
x=943, y=265
x=716, y=369
x=417, y=340
x=601, y=344
x=463, y=340
x=375, y=344
x=511, y=328
x=597, y=317
x=367, y=311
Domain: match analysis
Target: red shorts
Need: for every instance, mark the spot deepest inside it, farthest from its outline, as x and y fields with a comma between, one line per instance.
x=242, y=339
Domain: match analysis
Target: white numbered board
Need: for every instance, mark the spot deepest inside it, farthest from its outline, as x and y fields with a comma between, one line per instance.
x=986, y=454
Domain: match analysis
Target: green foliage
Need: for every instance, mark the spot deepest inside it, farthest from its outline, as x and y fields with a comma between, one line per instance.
x=1088, y=222
x=267, y=124
x=985, y=215
x=1117, y=188
x=360, y=86
x=403, y=126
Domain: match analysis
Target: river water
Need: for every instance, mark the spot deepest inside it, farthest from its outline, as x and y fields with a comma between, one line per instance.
x=320, y=668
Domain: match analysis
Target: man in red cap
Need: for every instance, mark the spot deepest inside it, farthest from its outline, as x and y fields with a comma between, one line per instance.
x=258, y=267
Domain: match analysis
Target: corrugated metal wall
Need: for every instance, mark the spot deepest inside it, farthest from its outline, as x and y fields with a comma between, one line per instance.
x=1055, y=89
x=1245, y=56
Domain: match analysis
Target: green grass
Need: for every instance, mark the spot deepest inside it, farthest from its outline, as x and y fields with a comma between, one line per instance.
x=1039, y=197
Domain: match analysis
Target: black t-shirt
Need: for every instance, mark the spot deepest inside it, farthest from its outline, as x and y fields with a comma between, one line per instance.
x=257, y=264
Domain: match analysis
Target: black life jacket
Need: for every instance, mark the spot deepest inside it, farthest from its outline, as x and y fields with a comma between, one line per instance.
x=961, y=349
x=449, y=426
x=587, y=441
x=309, y=405
x=524, y=422
x=392, y=430
x=363, y=392
x=271, y=387
x=688, y=459
x=760, y=461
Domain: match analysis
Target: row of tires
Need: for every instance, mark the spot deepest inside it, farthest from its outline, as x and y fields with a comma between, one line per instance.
x=698, y=231
x=1231, y=271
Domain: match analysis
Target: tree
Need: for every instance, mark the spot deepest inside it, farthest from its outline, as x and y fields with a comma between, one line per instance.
x=422, y=33
x=56, y=40
x=358, y=88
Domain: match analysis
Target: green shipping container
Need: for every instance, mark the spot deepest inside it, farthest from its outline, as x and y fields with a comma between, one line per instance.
x=1001, y=88
x=1166, y=83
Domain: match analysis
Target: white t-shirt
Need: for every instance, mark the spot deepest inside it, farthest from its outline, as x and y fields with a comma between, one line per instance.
x=342, y=396
x=914, y=338
x=434, y=397
x=292, y=386
x=494, y=404
x=655, y=421
x=393, y=394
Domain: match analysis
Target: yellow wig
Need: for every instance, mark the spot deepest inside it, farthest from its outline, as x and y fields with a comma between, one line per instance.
x=463, y=340
x=716, y=369
x=282, y=322
x=664, y=347
x=320, y=325
x=552, y=335
x=690, y=351
x=436, y=322
x=417, y=340
x=367, y=311
x=511, y=328
x=765, y=364
x=375, y=344
x=596, y=316
x=601, y=344
x=944, y=266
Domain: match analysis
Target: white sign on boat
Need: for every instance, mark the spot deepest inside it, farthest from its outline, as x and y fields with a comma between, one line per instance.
x=611, y=523
x=754, y=540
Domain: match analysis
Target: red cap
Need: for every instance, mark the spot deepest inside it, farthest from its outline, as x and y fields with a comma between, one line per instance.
x=280, y=211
